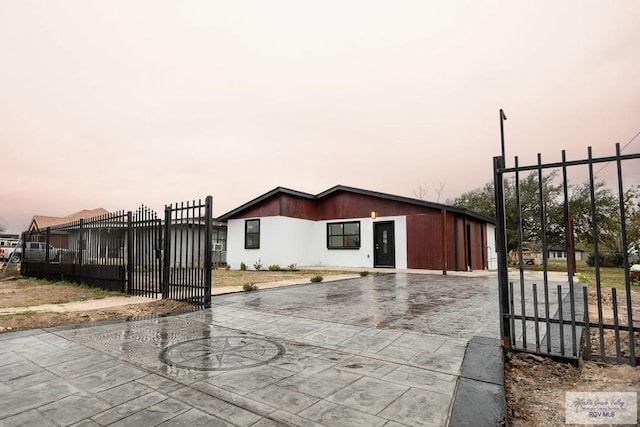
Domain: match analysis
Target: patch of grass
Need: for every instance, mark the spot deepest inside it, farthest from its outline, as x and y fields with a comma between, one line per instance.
x=21, y=314
x=274, y=267
x=364, y=273
x=612, y=277
x=249, y=287
x=316, y=279
x=553, y=265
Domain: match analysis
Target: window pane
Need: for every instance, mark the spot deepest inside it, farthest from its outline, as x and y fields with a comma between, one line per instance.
x=253, y=240
x=335, y=229
x=253, y=226
x=352, y=228
x=351, y=241
x=336, y=241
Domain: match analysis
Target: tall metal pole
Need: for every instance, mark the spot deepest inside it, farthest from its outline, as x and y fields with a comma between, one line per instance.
x=502, y=119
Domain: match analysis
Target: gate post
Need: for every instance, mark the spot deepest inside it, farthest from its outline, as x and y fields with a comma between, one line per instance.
x=501, y=250
x=207, y=253
x=129, y=281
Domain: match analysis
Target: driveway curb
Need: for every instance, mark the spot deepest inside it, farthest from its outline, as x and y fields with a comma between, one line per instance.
x=480, y=396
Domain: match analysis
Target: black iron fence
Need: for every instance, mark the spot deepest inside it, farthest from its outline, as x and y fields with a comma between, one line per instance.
x=131, y=252
x=557, y=315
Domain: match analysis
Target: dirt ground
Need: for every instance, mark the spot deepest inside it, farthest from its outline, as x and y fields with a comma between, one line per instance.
x=29, y=293
x=536, y=386
x=24, y=292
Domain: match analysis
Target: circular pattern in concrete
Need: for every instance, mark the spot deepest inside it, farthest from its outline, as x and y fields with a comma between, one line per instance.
x=222, y=353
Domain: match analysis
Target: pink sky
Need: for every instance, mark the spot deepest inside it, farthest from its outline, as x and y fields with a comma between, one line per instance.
x=113, y=104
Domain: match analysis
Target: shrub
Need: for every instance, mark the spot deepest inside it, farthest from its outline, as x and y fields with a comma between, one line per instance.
x=316, y=279
x=364, y=273
x=243, y=266
x=249, y=287
x=293, y=267
x=274, y=267
x=258, y=265
x=607, y=260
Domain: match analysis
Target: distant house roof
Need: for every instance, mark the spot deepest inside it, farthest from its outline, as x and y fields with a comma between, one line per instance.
x=353, y=190
x=40, y=222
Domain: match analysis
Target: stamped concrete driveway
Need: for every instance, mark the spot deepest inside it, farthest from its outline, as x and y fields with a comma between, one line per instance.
x=381, y=350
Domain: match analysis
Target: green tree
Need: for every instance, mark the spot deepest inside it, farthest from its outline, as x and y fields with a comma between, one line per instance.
x=482, y=200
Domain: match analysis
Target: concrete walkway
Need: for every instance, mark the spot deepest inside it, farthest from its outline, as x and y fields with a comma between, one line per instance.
x=381, y=350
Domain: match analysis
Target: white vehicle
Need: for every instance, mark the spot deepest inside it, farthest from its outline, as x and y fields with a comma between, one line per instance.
x=35, y=251
x=5, y=252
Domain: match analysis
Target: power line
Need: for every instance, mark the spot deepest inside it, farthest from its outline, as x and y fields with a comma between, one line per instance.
x=621, y=150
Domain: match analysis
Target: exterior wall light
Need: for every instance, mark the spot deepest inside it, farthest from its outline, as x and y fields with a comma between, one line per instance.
x=374, y=214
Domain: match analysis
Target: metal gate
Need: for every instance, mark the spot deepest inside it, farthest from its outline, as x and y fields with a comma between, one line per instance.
x=187, y=252
x=551, y=316
x=144, y=253
x=133, y=252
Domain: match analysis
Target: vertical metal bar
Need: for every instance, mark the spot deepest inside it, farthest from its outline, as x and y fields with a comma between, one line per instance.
x=535, y=316
x=81, y=243
x=130, y=266
x=208, y=265
x=502, y=119
x=47, y=243
x=520, y=260
x=167, y=252
x=569, y=250
x=596, y=253
x=501, y=253
x=546, y=315
x=616, y=323
x=560, y=320
x=587, y=328
x=625, y=254
x=543, y=223
x=161, y=243
x=524, y=315
x=512, y=318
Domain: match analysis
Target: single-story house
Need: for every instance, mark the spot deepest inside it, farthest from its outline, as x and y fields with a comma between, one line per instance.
x=350, y=227
x=561, y=253
x=40, y=223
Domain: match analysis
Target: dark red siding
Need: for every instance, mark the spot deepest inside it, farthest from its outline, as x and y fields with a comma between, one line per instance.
x=348, y=205
x=269, y=207
x=424, y=241
x=298, y=207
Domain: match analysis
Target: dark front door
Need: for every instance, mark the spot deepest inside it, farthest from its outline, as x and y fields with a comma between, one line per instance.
x=384, y=246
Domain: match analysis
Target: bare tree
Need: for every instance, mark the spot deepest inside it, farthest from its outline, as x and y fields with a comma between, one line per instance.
x=421, y=191
x=439, y=188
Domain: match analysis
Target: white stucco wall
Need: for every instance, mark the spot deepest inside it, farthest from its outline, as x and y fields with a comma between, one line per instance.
x=283, y=241
x=286, y=241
